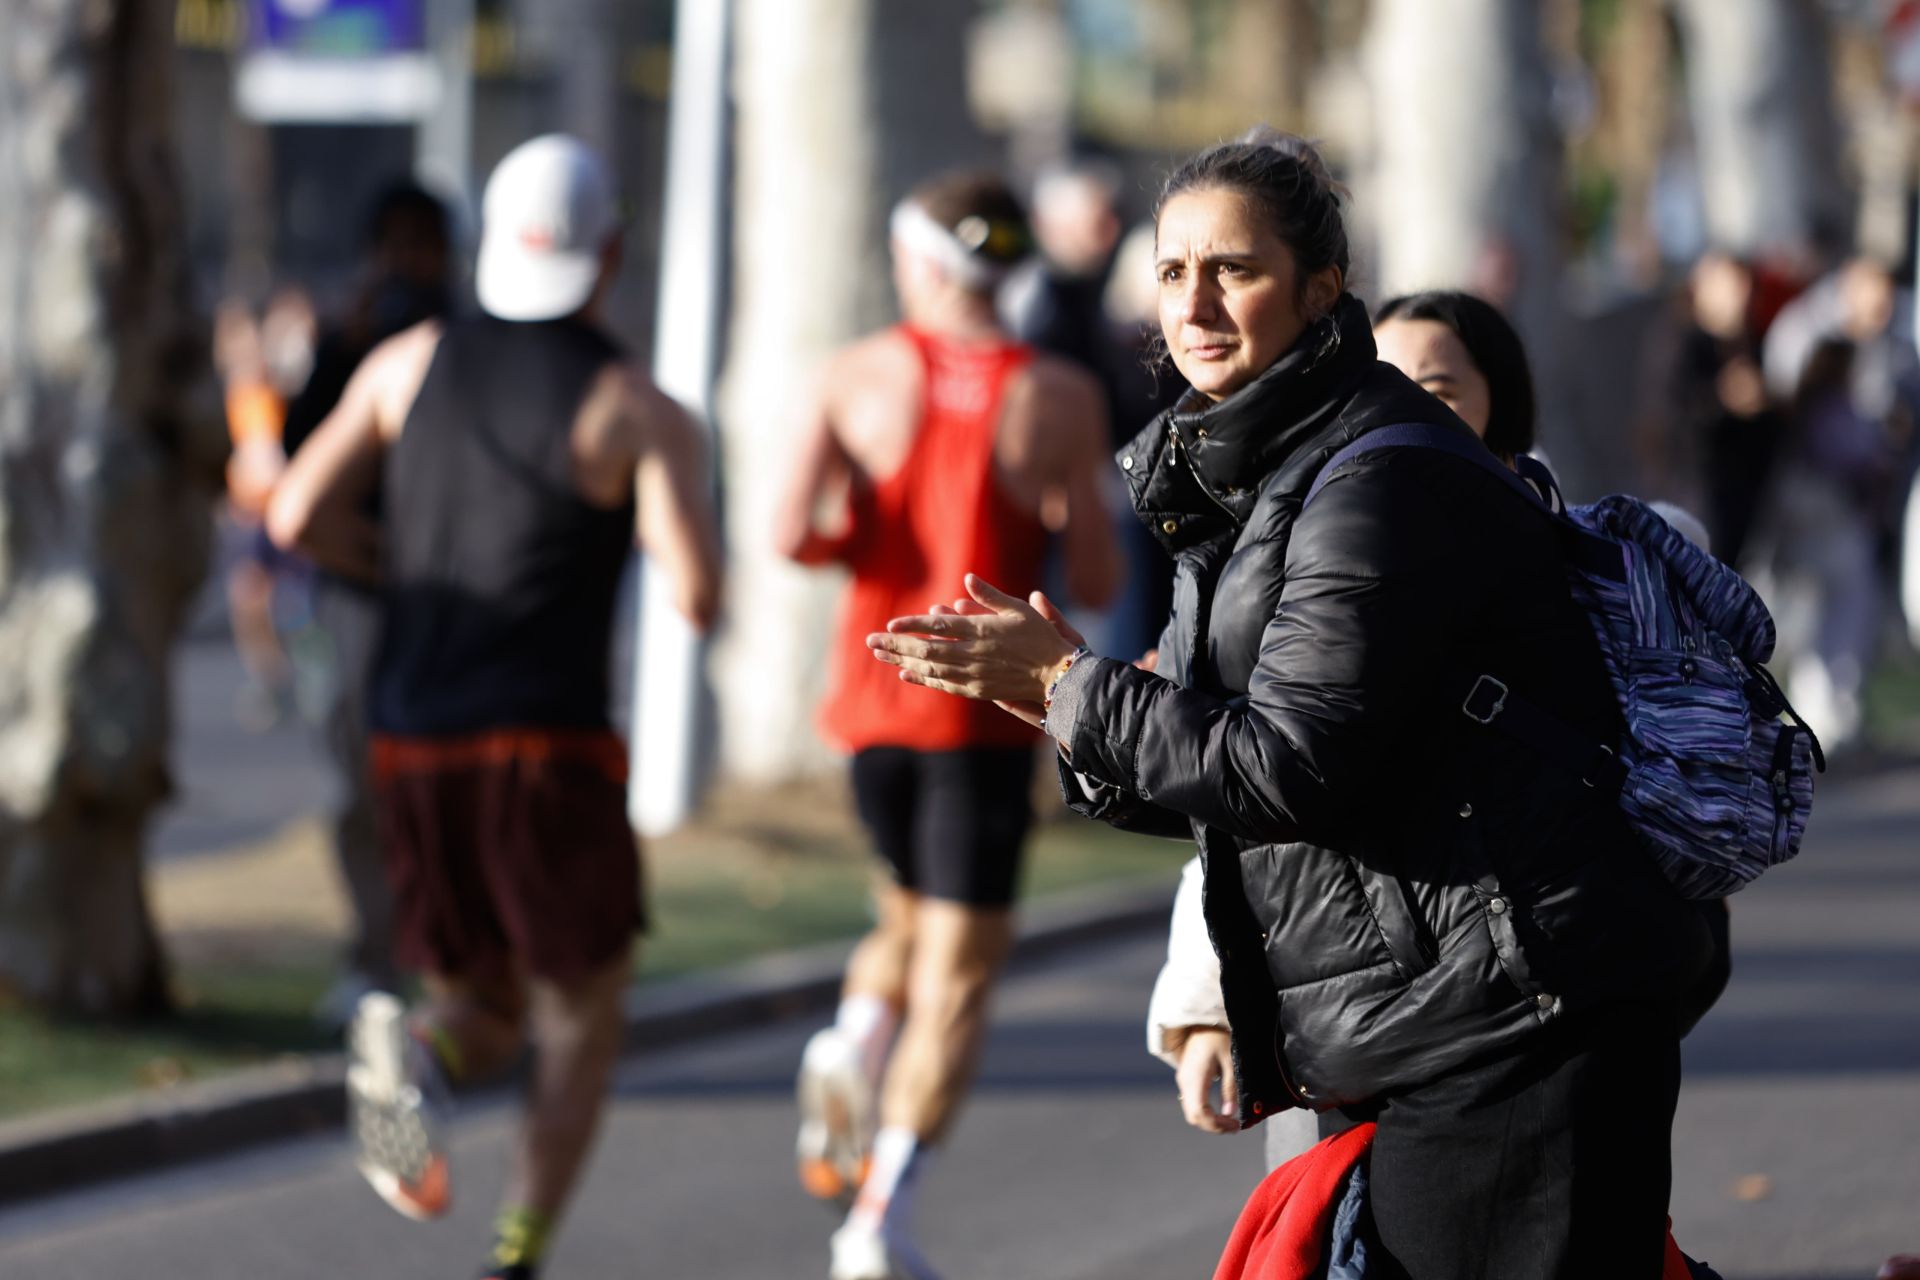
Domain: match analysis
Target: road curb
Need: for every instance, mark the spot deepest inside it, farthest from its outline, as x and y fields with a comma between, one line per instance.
x=74, y=1147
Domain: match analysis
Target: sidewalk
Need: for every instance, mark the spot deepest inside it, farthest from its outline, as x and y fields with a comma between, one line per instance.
x=1797, y=1143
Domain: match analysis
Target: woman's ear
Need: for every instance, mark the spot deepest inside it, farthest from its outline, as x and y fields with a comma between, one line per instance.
x=1323, y=290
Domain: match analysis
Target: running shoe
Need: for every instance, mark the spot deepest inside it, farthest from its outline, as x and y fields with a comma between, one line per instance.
x=862, y=1253
x=394, y=1102
x=836, y=1117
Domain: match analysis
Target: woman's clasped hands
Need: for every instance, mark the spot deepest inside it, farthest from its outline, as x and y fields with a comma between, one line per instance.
x=989, y=646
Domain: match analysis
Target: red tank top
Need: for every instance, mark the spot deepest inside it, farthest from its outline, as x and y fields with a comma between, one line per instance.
x=914, y=536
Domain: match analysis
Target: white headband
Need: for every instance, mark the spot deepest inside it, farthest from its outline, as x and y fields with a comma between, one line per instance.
x=920, y=232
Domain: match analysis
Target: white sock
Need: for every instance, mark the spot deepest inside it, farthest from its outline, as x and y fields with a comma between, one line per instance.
x=870, y=1022
x=886, y=1197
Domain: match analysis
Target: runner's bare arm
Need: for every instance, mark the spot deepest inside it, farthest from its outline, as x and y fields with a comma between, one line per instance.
x=1075, y=418
x=319, y=506
x=674, y=513
x=820, y=468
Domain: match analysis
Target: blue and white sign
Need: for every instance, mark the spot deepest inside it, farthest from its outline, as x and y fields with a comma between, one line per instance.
x=337, y=61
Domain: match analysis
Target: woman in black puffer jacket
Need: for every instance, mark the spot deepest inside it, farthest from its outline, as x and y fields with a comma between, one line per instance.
x=1418, y=921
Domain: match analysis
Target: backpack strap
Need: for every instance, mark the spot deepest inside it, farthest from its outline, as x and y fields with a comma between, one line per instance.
x=1594, y=554
x=1535, y=473
x=1491, y=704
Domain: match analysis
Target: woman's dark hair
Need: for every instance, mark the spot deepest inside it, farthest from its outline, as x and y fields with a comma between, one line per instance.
x=1495, y=350
x=980, y=209
x=1287, y=181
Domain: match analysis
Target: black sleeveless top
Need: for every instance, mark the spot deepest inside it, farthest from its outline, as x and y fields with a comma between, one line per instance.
x=500, y=577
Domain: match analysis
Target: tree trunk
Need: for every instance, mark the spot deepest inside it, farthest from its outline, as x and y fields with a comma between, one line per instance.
x=110, y=446
x=1635, y=106
x=1465, y=181
x=841, y=106
x=1270, y=53
x=1760, y=92
x=1466, y=152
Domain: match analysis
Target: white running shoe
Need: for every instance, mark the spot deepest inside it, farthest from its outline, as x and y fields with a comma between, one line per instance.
x=389, y=1083
x=860, y=1253
x=837, y=1109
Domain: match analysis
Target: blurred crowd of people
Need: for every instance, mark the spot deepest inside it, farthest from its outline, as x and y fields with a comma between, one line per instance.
x=1783, y=412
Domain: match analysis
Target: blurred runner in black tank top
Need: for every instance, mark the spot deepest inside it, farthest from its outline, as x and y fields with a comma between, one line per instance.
x=518, y=453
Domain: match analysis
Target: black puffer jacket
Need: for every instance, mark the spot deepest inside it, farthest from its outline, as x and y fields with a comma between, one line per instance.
x=1393, y=889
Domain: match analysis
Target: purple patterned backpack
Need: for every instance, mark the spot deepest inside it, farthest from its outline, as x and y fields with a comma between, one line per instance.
x=1712, y=779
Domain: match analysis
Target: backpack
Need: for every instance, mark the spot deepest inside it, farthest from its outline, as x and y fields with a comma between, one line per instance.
x=1713, y=782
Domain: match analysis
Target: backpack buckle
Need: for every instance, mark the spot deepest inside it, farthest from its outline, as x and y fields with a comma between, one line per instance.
x=1485, y=701
x=1604, y=770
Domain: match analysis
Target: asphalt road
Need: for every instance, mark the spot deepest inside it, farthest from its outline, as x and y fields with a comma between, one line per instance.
x=1072, y=1163
x=1797, y=1144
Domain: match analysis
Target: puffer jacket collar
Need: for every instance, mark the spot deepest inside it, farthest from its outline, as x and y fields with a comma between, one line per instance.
x=1195, y=472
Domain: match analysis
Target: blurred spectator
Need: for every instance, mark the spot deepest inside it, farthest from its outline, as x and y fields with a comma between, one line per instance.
x=408, y=278
x=1845, y=348
x=1728, y=429
x=289, y=331
x=256, y=416
x=1832, y=513
x=1056, y=302
x=1861, y=302
x=1089, y=297
x=1143, y=382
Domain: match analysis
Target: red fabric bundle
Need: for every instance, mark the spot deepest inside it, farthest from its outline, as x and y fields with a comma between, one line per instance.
x=1285, y=1227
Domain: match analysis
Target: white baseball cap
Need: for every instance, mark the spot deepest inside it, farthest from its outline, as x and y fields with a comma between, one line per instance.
x=546, y=214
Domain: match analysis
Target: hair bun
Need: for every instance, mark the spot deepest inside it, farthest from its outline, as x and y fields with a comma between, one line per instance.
x=1297, y=149
x=1287, y=179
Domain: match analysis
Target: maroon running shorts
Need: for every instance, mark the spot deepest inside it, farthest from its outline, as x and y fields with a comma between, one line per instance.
x=509, y=852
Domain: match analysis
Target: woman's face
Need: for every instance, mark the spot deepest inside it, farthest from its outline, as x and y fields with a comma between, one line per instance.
x=1433, y=356
x=1230, y=297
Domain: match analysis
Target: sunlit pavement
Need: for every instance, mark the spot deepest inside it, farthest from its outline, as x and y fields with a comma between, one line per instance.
x=1797, y=1147
x=1797, y=1150
x=1072, y=1162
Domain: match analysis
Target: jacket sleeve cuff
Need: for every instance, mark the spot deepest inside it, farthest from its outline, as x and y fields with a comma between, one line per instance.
x=1098, y=730
x=1069, y=699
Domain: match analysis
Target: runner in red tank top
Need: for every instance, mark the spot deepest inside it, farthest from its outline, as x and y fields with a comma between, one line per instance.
x=948, y=449
x=941, y=515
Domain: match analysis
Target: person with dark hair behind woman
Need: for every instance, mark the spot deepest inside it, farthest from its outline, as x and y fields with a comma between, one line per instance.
x=1419, y=922
x=1460, y=348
